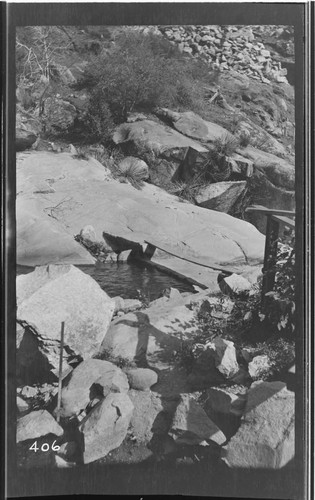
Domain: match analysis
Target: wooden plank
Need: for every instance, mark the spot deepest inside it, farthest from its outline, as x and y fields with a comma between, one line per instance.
x=284, y=220
x=201, y=261
x=271, y=211
x=271, y=247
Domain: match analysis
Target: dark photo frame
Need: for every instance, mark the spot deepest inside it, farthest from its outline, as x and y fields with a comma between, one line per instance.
x=159, y=479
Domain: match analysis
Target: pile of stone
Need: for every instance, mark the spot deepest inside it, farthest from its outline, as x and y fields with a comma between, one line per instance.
x=226, y=48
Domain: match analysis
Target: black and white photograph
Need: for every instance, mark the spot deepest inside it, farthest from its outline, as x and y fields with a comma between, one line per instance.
x=157, y=326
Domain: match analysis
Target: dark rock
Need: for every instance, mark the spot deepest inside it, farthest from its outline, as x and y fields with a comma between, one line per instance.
x=23, y=139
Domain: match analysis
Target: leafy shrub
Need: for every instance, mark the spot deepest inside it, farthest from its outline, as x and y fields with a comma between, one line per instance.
x=130, y=173
x=99, y=119
x=244, y=139
x=143, y=71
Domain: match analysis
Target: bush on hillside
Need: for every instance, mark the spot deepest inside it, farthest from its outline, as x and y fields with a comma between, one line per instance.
x=144, y=71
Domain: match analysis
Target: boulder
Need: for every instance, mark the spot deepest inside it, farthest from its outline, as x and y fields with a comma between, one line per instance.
x=22, y=405
x=58, y=116
x=265, y=439
x=105, y=427
x=235, y=284
x=126, y=305
x=88, y=233
x=191, y=425
x=149, y=416
x=54, y=294
x=259, y=367
x=192, y=125
x=224, y=354
x=221, y=196
x=92, y=378
x=155, y=136
x=46, y=223
x=37, y=424
x=141, y=379
x=24, y=139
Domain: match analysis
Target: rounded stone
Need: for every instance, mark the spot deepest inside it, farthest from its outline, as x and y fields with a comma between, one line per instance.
x=141, y=378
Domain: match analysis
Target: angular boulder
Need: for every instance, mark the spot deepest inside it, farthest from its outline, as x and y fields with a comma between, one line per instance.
x=265, y=438
x=105, y=427
x=36, y=424
x=191, y=425
x=224, y=354
x=149, y=416
x=220, y=196
x=235, y=284
x=155, y=136
x=92, y=378
x=192, y=125
x=61, y=293
x=23, y=139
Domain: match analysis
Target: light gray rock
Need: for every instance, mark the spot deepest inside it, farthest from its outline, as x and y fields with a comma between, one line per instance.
x=91, y=378
x=224, y=354
x=29, y=392
x=265, y=438
x=149, y=416
x=220, y=196
x=141, y=379
x=57, y=293
x=259, y=367
x=235, y=284
x=191, y=425
x=22, y=405
x=37, y=424
x=105, y=428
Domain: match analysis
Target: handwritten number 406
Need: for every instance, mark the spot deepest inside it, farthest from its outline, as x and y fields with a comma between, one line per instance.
x=44, y=447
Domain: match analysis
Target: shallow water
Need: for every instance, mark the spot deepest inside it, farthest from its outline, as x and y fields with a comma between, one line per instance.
x=126, y=279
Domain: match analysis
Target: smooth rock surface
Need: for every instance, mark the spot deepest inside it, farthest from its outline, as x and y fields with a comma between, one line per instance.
x=141, y=379
x=105, y=428
x=82, y=197
x=36, y=424
x=265, y=438
x=78, y=392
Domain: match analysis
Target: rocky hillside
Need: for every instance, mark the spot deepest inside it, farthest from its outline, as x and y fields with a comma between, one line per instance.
x=218, y=101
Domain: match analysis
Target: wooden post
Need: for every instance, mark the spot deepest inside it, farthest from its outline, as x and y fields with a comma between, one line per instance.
x=270, y=258
x=60, y=370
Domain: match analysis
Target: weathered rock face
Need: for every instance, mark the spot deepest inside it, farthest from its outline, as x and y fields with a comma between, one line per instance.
x=156, y=137
x=37, y=424
x=221, y=196
x=23, y=139
x=192, y=125
x=191, y=425
x=149, y=214
x=105, y=428
x=149, y=416
x=141, y=379
x=90, y=379
x=59, y=115
x=53, y=294
x=265, y=438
